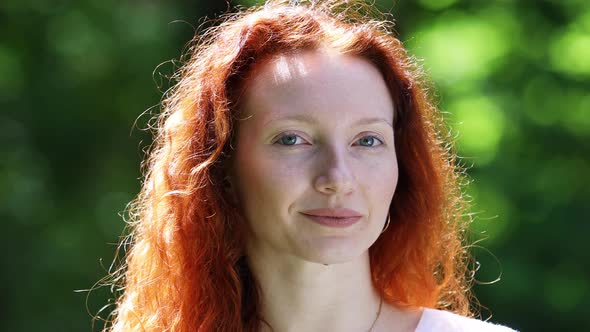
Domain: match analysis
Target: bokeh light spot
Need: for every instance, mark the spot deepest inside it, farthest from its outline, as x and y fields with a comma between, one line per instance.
x=480, y=124
x=460, y=47
x=437, y=4
x=570, y=53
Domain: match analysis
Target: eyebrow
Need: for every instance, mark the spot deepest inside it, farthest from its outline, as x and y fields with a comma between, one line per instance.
x=306, y=118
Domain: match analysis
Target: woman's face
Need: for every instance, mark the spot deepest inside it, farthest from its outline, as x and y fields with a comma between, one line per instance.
x=314, y=165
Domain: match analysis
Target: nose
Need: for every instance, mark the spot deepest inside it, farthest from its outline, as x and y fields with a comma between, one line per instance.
x=335, y=175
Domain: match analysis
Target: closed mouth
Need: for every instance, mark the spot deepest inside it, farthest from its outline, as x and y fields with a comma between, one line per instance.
x=336, y=213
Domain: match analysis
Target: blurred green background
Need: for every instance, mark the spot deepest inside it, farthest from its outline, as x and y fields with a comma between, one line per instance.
x=514, y=77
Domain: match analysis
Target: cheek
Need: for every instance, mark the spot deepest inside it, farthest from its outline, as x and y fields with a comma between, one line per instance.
x=266, y=182
x=380, y=178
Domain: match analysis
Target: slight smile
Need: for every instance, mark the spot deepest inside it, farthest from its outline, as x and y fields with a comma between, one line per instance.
x=333, y=217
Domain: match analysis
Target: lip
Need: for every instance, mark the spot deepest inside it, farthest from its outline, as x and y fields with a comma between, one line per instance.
x=333, y=212
x=333, y=217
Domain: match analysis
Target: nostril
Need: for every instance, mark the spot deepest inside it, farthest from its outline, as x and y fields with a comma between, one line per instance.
x=332, y=185
x=334, y=174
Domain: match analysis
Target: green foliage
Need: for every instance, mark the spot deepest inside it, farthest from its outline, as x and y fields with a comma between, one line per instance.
x=511, y=76
x=513, y=80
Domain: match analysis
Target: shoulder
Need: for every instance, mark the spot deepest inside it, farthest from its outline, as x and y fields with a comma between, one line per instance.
x=444, y=321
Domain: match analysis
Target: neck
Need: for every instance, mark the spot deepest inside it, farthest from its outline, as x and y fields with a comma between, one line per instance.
x=299, y=295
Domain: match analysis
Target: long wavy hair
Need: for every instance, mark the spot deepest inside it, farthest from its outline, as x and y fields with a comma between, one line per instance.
x=184, y=266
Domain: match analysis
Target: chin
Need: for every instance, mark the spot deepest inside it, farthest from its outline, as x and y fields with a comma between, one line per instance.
x=334, y=251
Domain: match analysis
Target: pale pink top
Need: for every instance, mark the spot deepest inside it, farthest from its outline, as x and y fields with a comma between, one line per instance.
x=433, y=320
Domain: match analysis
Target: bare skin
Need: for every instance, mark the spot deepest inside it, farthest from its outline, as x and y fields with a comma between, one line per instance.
x=317, y=134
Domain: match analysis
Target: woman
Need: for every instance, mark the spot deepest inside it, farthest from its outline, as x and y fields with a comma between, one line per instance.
x=299, y=181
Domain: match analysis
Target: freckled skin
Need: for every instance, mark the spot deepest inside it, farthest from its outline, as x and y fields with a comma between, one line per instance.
x=332, y=96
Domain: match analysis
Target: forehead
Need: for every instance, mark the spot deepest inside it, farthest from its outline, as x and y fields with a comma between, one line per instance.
x=317, y=84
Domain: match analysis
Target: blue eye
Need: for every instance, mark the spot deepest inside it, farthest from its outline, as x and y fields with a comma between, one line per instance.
x=289, y=139
x=369, y=141
x=294, y=139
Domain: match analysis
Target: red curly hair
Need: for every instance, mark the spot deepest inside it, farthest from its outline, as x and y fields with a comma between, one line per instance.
x=185, y=270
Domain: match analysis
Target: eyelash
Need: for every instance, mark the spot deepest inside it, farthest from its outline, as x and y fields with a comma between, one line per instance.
x=278, y=139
